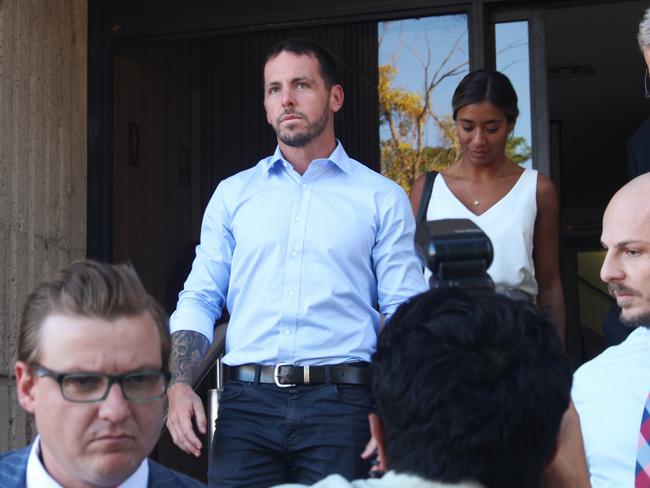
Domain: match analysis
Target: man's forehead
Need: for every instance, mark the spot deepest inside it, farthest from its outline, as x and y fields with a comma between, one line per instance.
x=72, y=338
x=624, y=228
x=305, y=65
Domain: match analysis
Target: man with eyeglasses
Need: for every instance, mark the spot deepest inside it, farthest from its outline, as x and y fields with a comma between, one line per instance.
x=92, y=369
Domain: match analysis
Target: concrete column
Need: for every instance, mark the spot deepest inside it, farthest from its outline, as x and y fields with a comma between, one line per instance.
x=43, y=66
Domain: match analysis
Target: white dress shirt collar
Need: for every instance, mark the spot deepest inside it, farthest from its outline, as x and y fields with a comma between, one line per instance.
x=38, y=477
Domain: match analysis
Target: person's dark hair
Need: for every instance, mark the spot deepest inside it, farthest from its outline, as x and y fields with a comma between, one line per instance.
x=470, y=387
x=308, y=47
x=91, y=289
x=486, y=85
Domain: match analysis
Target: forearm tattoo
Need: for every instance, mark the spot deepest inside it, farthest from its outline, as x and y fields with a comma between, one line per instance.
x=188, y=350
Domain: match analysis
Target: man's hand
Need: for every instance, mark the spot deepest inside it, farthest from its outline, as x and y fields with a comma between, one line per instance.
x=569, y=467
x=370, y=453
x=188, y=349
x=184, y=405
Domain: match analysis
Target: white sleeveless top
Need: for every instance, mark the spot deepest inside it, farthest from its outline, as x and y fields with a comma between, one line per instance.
x=509, y=223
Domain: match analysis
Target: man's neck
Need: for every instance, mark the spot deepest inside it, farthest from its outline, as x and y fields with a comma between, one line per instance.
x=301, y=157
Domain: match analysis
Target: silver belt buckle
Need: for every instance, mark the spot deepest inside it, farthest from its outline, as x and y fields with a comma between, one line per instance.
x=276, y=376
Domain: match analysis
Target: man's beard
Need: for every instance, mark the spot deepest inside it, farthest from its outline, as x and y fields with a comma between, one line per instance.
x=302, y=138
x=641, y=320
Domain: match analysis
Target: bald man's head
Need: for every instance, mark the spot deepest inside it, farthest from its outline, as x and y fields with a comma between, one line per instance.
x=626, y=237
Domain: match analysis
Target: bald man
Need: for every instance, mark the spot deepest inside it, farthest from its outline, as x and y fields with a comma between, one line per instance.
x=611, y=391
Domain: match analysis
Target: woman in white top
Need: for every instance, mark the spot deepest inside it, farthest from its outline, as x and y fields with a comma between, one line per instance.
x=516, y=208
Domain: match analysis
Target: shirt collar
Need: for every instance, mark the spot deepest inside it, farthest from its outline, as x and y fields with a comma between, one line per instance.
x=338, y=157
x=38, y=477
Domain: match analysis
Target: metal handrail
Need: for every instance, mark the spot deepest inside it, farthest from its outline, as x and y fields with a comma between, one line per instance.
x=212, y=361
x=214, y=353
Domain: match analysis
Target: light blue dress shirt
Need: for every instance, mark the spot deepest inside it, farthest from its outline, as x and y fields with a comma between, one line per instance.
x=305, y=264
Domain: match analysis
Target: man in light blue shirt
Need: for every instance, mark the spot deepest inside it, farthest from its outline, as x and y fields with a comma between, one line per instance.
x=307, y=250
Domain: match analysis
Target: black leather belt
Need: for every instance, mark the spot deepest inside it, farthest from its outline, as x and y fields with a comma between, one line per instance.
x=286, y=375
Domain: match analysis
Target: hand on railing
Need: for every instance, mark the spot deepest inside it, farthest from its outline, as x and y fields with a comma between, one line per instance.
x=185, y=406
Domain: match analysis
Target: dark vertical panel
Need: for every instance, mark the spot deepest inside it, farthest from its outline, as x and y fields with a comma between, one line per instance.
x=155, y=191
x=99, y=178
x=478, y=31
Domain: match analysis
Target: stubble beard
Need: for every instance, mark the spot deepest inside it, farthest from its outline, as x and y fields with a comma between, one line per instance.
x=302, y=138
x=640, y=320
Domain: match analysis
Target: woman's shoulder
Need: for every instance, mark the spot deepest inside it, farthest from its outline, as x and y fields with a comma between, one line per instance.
x=546, y=193
x=544, y=183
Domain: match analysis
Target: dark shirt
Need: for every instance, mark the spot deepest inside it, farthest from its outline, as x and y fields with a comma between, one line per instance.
x=638, y=151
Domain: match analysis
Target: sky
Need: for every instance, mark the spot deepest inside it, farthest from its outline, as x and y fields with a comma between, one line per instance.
x=403, y=44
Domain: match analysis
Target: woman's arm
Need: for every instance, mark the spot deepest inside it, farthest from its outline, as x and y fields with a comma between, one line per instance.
x=546, y=253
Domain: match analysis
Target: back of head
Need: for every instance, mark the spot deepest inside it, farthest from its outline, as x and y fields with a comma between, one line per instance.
x=308, y=47
x=644, y=31
x=90, y=289
x=470, y=387
x=486, y=85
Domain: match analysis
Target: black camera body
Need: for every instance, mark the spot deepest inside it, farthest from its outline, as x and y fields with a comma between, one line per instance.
x=457, y=252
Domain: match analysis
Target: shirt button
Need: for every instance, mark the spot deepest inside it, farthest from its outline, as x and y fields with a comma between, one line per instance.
x=287, y=332
x=297, y=218
x=294, y=254
x=290, y=293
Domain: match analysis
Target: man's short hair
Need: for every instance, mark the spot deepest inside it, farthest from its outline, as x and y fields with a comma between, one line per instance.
x=308, y=47
x=644, y=31
x=470, y=387
x=91, y=289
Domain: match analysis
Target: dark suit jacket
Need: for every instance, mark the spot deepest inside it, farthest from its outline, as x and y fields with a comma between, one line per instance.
x=638, y=151
x=13, y=472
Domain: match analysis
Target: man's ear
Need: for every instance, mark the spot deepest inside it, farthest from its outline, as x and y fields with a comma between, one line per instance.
x=377, y=434
x=25, y=387
x=336, y=98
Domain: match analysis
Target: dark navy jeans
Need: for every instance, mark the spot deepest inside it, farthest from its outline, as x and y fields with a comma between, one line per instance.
x=267, y=435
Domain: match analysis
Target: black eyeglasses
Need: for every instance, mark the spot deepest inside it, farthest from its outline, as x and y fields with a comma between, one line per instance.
x=646, y=84
x=81, y=387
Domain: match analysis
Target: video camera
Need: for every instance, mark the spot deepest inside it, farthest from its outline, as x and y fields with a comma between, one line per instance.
x=457, y=252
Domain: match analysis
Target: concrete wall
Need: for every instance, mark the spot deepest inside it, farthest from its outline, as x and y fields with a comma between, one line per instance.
x=43, y=52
